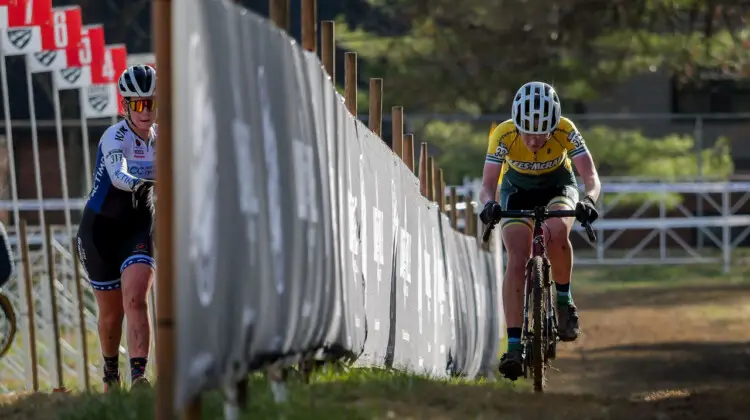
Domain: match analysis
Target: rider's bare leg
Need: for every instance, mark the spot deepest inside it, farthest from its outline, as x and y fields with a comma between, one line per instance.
x=109, y=325
x=137, y=280
x=560, y=253
x=560, y=250
x=517, y=240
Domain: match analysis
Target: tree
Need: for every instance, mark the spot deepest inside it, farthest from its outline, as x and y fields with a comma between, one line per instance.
x=470, y=55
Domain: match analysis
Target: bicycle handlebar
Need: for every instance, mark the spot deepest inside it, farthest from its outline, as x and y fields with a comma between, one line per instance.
x=546, y=214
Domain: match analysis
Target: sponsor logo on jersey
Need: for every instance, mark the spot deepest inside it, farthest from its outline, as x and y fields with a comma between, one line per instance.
x=145, y=171
x=120, y=134
x=536, y=166
x=20, y=38
x=98, y=175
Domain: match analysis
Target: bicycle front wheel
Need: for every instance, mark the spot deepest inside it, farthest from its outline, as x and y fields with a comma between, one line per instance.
x=7, y=324
x=540, y=345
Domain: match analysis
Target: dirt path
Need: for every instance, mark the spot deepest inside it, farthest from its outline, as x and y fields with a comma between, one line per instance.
x=687, y=345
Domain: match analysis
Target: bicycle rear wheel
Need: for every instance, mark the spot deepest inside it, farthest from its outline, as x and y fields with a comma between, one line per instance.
x=7, y=324
x=540, y=344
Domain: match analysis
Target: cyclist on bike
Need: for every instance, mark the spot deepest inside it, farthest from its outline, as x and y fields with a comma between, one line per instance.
x=532, y=150
x=115, y=243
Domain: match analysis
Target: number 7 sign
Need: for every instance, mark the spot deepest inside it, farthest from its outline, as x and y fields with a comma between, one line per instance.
x=25, y=17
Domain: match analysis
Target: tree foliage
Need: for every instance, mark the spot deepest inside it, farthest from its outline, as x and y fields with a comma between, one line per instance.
x=470, y=55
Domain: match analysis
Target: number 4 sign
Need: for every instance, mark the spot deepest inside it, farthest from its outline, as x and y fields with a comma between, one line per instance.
x=101, y=99
x=106, y=70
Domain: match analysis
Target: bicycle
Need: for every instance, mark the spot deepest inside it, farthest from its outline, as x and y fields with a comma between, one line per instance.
x=538, y=340
x=7, y=324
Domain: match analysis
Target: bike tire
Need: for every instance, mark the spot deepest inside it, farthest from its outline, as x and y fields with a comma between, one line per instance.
x=10, y=315
x=539, y=345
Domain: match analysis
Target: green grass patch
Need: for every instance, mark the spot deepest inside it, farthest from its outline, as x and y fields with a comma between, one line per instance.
x=354, y=394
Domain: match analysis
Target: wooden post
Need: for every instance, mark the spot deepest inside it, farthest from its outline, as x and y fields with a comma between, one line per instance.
x=27, y=274
x=81, y=317
x=408, y=148
x=350, y=70
x=454, y=211
x=328, y=48
x=309, y=25
x=441, y=189
x=375, y=121
x=53, y=302
x=469, y=221
x=423, y=169
x=397, y=130
x=278, y=11
x=431, y=178
x=165, y=318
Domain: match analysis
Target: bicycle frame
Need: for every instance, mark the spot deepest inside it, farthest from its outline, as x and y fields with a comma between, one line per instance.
x=547, y=331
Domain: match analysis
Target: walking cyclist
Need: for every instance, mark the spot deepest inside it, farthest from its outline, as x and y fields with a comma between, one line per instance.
x=115, y=243
x=533, y=152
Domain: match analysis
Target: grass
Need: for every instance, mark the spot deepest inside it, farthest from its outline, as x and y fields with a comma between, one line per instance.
x=374, y=394
x=356, y=394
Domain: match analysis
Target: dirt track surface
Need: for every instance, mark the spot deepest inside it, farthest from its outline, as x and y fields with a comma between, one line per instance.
x=664, y=350
x=679, y=351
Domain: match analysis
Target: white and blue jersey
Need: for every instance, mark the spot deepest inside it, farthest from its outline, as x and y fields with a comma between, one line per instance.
x=122, y=159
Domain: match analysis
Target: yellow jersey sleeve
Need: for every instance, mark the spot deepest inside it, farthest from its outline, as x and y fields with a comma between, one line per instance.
x=496, y=148
x=571, y=138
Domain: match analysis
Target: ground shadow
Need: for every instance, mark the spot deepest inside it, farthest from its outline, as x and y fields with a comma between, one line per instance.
x=655, y=297
x=635, y=369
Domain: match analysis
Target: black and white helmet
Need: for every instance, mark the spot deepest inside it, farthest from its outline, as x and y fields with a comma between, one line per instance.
x=137, y=81
x=536, y=108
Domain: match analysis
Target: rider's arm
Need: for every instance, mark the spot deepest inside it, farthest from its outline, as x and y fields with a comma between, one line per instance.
x=584, y=164
x=493, y=164
x=116, y=164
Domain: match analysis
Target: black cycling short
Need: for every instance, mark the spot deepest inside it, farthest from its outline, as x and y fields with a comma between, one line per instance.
x=106, y=246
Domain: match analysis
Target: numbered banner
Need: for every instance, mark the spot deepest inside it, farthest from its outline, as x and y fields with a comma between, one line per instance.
x=60, y=31
x=103, y=66
x=25, y=17
x=100, y=101
x=63, y=29
x=80, y=57
x=91, y=44
x=119, y=56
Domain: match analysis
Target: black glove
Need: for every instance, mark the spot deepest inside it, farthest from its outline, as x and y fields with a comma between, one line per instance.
x=586, y=210
x=141, y=190
x=490, y=213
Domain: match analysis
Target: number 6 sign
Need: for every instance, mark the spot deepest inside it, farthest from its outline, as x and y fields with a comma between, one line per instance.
x=63, y=30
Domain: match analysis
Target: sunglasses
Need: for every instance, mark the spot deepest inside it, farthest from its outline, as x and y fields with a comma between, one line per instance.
x=139, y=105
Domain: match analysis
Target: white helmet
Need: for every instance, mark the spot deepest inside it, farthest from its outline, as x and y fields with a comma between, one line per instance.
x=536, y=108
x=137, y=81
